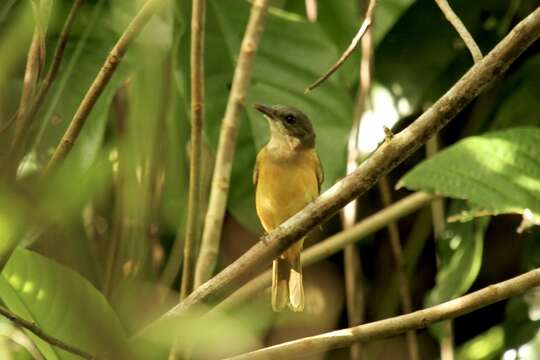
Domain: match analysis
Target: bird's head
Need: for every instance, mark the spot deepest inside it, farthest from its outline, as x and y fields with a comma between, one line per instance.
x=288, y=122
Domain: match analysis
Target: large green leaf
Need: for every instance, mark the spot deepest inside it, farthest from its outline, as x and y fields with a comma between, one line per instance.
x=498, y=172
x=63, y=304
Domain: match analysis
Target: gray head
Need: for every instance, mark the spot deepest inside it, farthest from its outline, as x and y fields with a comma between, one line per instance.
x=289, y=121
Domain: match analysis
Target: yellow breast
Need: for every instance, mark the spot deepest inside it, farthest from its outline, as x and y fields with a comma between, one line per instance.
x=285, y=187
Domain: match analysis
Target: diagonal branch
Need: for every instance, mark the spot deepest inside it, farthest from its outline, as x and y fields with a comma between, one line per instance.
x=335, y=243
x=100, y=82
x=386, y=158
x=461, y=29
x=399, y=324
x=31, y=326
x=206, y=262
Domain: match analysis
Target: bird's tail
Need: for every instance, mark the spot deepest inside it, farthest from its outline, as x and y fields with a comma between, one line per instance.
x=287, y=287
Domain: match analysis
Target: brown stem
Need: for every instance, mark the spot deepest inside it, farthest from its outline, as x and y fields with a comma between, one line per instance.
x=354, y=293
x=399, y=324
x=206, y=261
x=31, y=75
x=388, y=302
x=461, y=29
x=197, y=116
x=382, y=161
x=397, y=252
x=439, y=223
x=31, y=326
x=100, y=82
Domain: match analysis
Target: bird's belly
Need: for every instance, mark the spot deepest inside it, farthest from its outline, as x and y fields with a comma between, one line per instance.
x=283, y=191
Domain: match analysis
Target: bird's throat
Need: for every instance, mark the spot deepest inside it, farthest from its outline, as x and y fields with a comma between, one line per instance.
x=283, y=144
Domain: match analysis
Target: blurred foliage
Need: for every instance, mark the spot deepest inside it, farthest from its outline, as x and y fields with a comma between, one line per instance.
x=102, y=229
x=63, y=303
x=483, y=347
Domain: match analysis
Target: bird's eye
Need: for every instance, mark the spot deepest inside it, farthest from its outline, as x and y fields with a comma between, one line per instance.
x=290, y=119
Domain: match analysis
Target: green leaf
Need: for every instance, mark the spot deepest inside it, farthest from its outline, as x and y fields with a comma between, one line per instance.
x=64, y=305
x=498, y=172
x=485, y=346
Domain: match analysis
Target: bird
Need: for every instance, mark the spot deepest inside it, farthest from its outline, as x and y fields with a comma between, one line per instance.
x=287, y=177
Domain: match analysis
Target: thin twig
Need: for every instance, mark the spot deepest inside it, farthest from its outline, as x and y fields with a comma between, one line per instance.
x=206, y=261
x=382, y=161
x=388, y=302
x=31, y=74
x=461, y=29
x=437, y=208
x=354, y=44
x=198, y=15
x=399, y=324
x=334, y=244
x=354, y=293
x=9, y=122
x=31, y=326
x=56, y=60
x=439, y=223
x=401, y=268
x=197, y=116
x=20, y=138
x=34, y=64
x=101, y=81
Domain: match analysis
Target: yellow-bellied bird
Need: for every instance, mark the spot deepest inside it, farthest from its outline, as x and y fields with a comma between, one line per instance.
x=287, y=176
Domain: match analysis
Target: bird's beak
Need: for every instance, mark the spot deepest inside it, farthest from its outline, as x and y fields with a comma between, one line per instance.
x=266, y=110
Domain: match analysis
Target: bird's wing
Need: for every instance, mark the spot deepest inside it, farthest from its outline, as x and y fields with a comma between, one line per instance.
x=256, y=168
x=320, y=172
